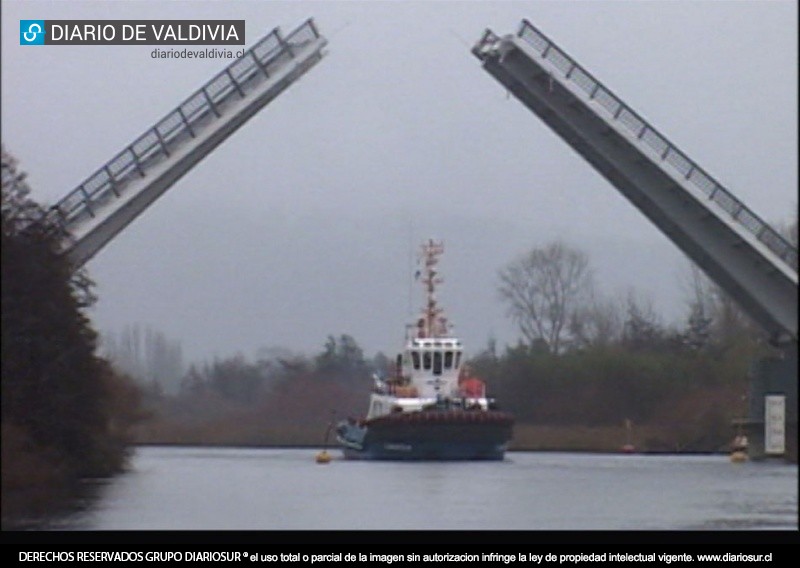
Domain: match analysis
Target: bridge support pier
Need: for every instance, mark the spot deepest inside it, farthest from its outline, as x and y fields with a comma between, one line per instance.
x=771, y=377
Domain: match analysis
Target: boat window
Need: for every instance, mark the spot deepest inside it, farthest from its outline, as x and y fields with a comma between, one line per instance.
x=448, y=359
x=426, y=360
x=415, y=359
x=458, y=358
x=437, y=363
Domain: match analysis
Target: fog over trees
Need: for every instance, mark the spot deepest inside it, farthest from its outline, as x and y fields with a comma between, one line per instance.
x=147, y=355
x=586, y=368
x=587, y=365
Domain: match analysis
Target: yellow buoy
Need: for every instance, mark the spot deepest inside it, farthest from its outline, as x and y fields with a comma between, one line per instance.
x=739, y=448
x=324, y=456
x=738, y=457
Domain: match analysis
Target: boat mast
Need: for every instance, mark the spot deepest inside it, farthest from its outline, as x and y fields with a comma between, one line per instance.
x=432, y=323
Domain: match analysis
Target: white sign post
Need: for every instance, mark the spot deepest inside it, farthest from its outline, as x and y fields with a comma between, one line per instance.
x=775, y=424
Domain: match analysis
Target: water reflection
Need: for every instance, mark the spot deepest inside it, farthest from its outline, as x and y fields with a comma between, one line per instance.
x=58, y=508
x=246, y=489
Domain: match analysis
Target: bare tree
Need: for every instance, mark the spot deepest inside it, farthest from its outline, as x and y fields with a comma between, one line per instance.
x=789, y=229
x=713, y=316
x=791, y=232
x=598, y=323
x=543, y=289
x=702, y=307
x=642, y=327
x=147, y=356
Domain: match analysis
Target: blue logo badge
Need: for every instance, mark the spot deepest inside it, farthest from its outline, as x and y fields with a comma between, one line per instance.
x=31, y=32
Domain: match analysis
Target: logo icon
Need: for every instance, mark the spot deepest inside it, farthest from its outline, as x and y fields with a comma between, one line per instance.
x=31, y=32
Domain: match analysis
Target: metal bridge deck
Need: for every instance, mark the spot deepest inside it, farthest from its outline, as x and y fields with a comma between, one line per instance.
x=99, y=208
x=744, y=255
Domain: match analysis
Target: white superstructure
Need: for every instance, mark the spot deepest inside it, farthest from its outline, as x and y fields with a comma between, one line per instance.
x=429, y=371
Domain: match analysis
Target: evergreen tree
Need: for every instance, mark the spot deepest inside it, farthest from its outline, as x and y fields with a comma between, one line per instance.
x=56, y=393
x=342, y=358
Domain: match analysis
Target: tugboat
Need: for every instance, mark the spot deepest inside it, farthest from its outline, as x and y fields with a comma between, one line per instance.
x=431, y=407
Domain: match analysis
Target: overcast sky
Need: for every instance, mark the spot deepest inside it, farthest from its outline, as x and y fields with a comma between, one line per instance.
x=300, y=224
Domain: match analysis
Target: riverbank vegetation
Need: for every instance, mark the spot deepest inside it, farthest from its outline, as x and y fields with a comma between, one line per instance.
x=66, y=413
x=669, y=398
x=588, y=374
x=660, y=394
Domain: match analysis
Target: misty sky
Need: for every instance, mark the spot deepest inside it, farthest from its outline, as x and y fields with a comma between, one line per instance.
x=300, y=225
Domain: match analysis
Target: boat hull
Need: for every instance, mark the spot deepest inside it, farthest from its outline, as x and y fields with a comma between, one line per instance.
x=428, y=436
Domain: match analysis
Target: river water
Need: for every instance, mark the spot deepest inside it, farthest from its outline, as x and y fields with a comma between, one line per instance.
x=273, y=489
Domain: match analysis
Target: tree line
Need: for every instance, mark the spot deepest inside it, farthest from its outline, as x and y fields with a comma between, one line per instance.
x=66, y=412
x=281, y=398
x=583, y=360
x=586, y=360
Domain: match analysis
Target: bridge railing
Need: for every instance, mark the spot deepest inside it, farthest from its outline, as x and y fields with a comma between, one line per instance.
x=200, y=109
x=647, y=137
